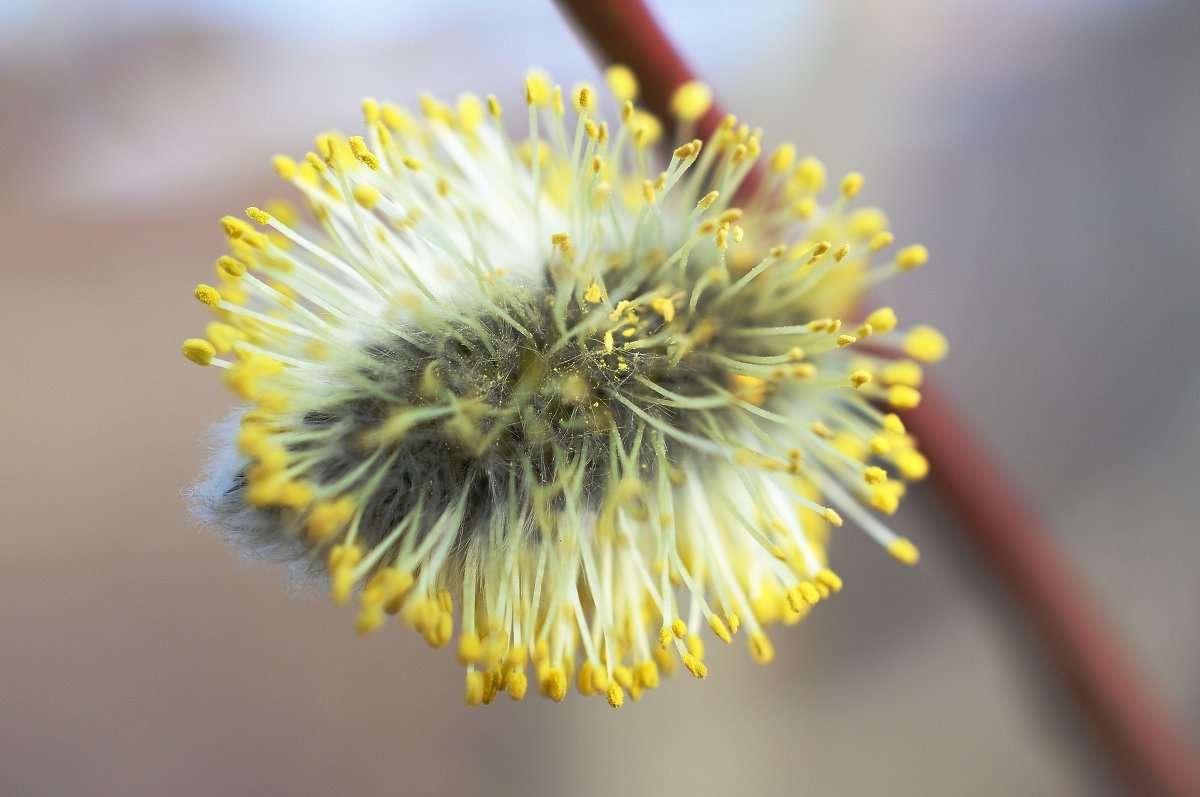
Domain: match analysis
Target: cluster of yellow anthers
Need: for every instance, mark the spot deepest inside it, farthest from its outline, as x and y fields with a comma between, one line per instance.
x=562, y=384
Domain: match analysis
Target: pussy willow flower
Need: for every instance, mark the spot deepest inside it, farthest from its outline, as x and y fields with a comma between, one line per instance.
x=588, y=400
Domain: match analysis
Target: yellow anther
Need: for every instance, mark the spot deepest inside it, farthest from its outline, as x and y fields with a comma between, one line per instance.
x=370, y=619
x=841, y=253
x=911, y=464
x=518, y=657
x=694, y=645
x=804, y=370
x=342, y=560
x=903, y=397
x=645, y=674
x=285, y=167
x=695, y=666
x=559, y=239
x=830, y=579
x=730, y=216
x=882, y=320
x=865, y=222
x=537, y=90
x=396, y=119
x=821, y=430
x=493, y=106
x=370, y=109
x=804, y=208
x=685, y=151
x=491, y=685
x=720, y=629
x=594, y=293
x=470, y=649
x=328, y=517
x=679, y=628
x=585, y=98
x=761, y=648
x=295, y=495
x=222, y=336
x=199, y=351
x=880, y=240
x=664, y=307
x=411, y=163
x=621, y=82
x=845, y=340
x=852, y=183
x=235, y=228
x=314, y=162
x=803, y=595
x=691, y=100
x=627, y=111
x=903, y=551
x=259, y=216
x=810, y=175
x=885, y=498
x=555, y=684
x=615, y=695
x=925, y=344
x=230, y=268
x=706, y=201
x=608, y=342
x=783, y=158
x=911, y=257
x=879, y=446
x=875, y=475
x=859, y=378
x=207, y=294
x=903, y=372
x=358, y=147
x=517, y=684
x=366, y=195
x=751, y=389
x=470, y=113
x=893, y=424
x=474, y=688
x=665, y=636
x=583, y=678
x=648, y=191
x=832, y=517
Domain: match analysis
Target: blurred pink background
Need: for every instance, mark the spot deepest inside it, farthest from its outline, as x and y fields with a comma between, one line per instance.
x=1046, y=152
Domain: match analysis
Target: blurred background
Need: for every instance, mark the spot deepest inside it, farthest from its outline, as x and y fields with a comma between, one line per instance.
x=1047, y=152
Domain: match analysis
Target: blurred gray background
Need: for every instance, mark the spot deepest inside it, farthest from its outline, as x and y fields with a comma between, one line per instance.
x=1048, y=153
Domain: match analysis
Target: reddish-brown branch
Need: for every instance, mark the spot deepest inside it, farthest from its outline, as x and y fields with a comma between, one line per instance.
x=1147, y=747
